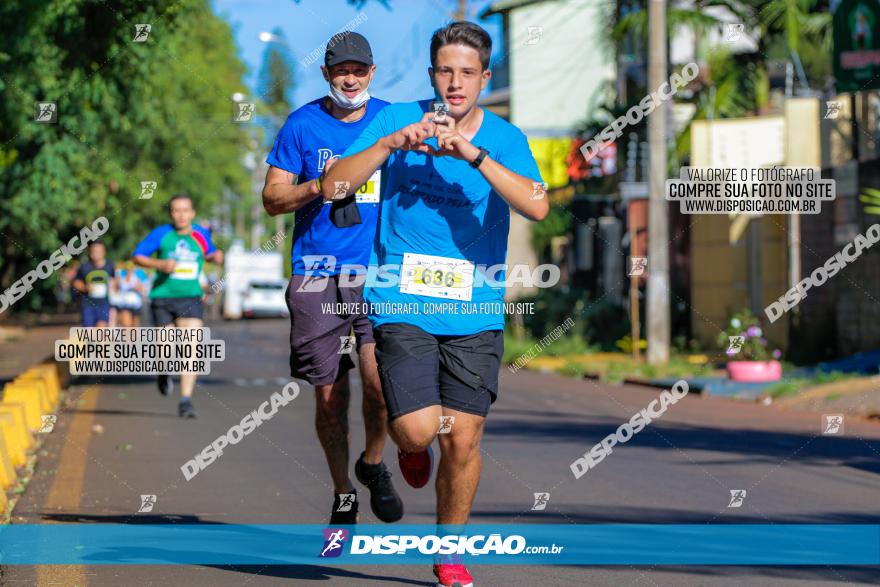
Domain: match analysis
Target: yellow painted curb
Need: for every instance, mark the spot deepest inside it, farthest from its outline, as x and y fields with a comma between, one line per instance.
x=17, y=410
x=49, y=371
x=17, y=451
x=28, y=396
x=39, y=388
x=7, y=470
x=45, y=385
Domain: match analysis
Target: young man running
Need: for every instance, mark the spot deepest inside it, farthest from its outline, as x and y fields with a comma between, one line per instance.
x=93, y=279
x=181, y=250
x=449, y=182
x=325, y=238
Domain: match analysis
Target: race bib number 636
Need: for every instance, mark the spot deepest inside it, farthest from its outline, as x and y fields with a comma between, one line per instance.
x=437, y=277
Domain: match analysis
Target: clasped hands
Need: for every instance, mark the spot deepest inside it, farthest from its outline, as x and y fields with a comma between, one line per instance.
x=450, y=143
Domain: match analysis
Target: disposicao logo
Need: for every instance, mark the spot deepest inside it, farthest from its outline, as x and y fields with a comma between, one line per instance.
x=334, y=539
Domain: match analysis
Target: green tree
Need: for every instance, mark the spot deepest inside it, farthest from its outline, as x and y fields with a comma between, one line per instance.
x=158, y=110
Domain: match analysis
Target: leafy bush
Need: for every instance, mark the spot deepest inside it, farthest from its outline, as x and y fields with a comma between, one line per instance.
x=597, y=325
x=566, y=345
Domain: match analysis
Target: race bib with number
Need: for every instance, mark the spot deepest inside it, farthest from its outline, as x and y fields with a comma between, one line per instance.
x=369, y=192
x=437, y=277
x=97, y=290
x=185, y=270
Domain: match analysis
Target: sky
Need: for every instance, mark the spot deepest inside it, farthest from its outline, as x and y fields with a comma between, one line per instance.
x=399, y=36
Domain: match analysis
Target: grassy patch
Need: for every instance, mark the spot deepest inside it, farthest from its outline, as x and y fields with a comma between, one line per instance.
x=573, y=357
x=786, y=387
x=514, y=347
x=789, y=387
x=677, y=367
x=573, y=369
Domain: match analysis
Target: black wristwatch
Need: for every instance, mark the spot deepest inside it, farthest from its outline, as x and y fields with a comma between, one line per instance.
x=479, y=159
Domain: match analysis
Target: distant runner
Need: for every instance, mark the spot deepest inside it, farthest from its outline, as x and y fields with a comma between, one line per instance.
x=181, y=249
x=93, y=281
x=127, y=295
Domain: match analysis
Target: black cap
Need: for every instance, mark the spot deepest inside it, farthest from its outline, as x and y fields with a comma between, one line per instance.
x=348, y=46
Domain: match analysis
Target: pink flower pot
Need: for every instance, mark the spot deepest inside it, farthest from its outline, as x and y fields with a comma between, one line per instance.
x=754, y=371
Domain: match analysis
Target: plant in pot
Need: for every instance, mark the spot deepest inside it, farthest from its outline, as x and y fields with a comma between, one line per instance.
x=750, y=358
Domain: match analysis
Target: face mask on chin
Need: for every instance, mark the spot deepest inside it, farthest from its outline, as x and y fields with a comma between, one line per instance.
x=346, y=103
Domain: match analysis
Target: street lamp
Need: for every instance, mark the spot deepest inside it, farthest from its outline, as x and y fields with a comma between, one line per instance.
x=268, y=37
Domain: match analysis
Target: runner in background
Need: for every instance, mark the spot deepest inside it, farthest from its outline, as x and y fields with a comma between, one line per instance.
x=181, y=249
x=327, y=236
x=92, y=281
x=127, y=294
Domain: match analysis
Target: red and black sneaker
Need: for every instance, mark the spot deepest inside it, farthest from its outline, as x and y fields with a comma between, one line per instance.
x=416, y=467
x=452, y=574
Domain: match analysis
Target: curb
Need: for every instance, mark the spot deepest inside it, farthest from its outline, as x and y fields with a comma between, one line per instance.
x=28, y=406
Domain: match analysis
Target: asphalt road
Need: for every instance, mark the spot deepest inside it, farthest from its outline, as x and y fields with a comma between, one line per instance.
x=119, y=439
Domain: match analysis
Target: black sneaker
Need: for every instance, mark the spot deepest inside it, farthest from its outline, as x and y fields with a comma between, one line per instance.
x=345, y=508
x=166, y=385
x=185, y=409
x=384, y=501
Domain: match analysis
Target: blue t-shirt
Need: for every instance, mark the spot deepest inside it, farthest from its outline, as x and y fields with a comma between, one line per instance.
x=309, y=137
x=435, y=207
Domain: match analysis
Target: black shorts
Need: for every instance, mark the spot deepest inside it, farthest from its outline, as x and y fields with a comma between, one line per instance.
x=419, y=369
x=316, y=329
x=166, y=310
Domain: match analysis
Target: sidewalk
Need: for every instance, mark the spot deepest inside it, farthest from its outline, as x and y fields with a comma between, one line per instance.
x=858, y=395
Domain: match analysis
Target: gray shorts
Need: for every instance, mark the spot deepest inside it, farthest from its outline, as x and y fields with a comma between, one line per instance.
x=318, y=352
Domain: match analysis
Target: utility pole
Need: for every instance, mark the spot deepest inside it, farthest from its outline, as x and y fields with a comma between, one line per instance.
x=461, y=13
x=658, y=211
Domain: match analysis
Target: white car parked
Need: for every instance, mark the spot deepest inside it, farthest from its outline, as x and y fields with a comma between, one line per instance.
x=264, y=298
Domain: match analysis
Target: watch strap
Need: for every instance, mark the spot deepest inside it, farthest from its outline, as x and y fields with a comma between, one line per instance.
x=479, y=158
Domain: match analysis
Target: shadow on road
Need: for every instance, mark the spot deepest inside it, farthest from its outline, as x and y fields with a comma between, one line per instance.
x=758, y=446
x=823, y=574
x=149, y=380
x=254, y=566
x=644, y=515
x=124, y=413
x=320, y=573
x=128, y=519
